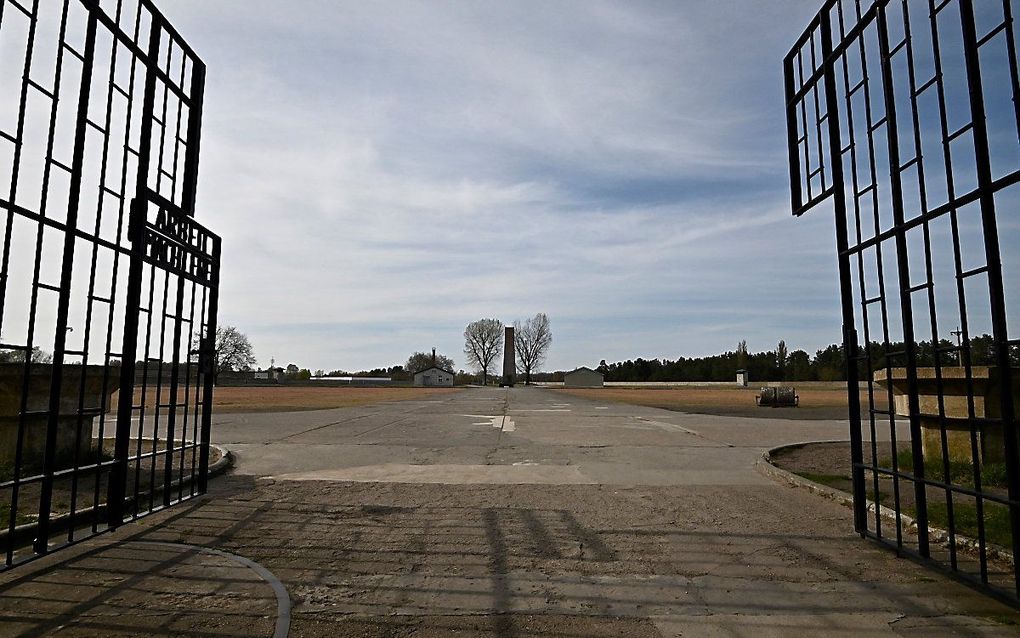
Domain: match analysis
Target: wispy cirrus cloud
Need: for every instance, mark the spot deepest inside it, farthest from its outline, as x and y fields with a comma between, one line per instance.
x=384, y=173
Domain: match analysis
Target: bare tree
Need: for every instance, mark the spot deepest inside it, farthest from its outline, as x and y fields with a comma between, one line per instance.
x=233, y=350
x=531, y=341
x=483, y=342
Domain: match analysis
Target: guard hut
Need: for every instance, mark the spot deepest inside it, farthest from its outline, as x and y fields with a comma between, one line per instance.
x=433, y=377
x=743, y=378
x=583, y=378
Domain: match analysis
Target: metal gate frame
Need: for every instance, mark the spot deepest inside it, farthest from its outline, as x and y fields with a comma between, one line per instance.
x=858, y=95
x=103, y=266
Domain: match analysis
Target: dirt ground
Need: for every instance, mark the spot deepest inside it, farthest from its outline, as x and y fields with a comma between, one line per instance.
x=827, y=463
x=233, y=400
x=821, y=403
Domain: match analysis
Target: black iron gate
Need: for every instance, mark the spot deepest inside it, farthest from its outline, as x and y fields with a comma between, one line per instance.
x=904, y=116
x=108, y=286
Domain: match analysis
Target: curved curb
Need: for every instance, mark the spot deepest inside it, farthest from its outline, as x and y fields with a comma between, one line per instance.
x=282, y=628
x=766, y=468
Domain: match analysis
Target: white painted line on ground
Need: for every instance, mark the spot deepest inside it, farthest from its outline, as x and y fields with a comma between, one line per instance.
x=667, y=426
x=500, y=422
x=556, y=410
x=675, y=427
x=602, y=407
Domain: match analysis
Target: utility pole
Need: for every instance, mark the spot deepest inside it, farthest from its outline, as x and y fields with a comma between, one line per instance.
x=959, y=337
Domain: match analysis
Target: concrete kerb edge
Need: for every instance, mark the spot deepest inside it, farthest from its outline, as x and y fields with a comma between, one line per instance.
x=768, y=469
x=281, y=628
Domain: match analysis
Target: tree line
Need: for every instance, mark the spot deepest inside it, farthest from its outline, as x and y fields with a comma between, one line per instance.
x=780, y=364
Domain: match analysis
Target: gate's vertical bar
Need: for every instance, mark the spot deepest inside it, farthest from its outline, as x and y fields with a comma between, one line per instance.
x=845, y=275
x=175, y=380
x=64, y=298
x=132, y=305
x=190, y=189
x=791, y=132
x=903, y=272
x=996, y=287
x=19, y=136
x=207, y=365
x=207, y=341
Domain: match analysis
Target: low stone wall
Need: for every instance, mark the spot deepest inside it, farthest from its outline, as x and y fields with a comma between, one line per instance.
x=954, y=413
x=72, y=430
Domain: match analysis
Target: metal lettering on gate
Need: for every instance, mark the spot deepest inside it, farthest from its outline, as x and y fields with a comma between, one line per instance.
x=904, y=115
x=108, y=286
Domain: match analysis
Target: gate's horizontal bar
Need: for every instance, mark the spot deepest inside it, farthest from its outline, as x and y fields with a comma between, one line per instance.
x=152, y=66
x=952, y=487
x=52, y=223
x=959, y=202
x=17, y=5
x=84, y=469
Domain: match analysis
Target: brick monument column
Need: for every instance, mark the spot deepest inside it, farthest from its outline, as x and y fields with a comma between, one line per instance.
x=509, y=359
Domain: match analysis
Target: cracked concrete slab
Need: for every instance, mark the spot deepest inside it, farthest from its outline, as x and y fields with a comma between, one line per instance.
x=412, y=519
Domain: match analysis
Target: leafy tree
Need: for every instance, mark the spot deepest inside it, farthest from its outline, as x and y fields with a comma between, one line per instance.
x=982, y=350
x=782, y=354
x=798, y=366
x=531, y=343
x=830, y=364
x=742, y=355
x=422, y=361
x=18, y=356
x=483, y=342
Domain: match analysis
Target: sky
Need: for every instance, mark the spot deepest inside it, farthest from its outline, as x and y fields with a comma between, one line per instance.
x=384, y=173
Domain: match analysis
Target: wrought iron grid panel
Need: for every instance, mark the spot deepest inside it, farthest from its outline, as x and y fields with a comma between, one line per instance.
x=108, y=287
x=907, y=114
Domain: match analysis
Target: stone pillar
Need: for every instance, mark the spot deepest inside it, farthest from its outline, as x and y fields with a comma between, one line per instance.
x=509, y=359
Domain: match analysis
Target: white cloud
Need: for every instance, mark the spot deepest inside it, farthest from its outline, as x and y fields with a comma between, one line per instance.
x=384, y=173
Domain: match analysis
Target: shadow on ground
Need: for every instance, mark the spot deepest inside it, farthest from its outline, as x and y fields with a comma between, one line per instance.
x=563, y=561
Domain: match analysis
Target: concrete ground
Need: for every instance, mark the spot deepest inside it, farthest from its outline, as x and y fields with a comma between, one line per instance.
x=507, y=513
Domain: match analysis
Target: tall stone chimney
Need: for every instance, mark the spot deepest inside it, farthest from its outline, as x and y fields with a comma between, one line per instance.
x=509, y=358
x=433, y=357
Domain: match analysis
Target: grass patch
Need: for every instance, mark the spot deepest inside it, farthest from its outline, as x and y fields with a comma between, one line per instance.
x=299, y=398
x=815, y=403
x=960, y=472
x=836, y=481
x=5, y=517
x=965, y=517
